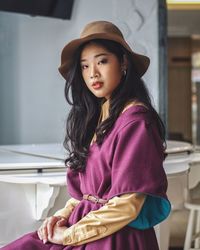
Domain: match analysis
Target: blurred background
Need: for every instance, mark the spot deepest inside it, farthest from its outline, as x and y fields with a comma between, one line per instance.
x=184, y=71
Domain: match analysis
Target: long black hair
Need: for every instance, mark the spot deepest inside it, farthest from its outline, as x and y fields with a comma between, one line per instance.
x=82, y=121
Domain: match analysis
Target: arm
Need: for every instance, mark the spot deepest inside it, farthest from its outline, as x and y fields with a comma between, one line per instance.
x=67, y=210
x=113, y=216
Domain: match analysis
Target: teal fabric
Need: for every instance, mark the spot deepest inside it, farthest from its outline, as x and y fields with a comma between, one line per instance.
x=154, y=210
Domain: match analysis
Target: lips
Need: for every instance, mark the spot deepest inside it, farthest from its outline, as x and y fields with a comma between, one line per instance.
x=97, y=85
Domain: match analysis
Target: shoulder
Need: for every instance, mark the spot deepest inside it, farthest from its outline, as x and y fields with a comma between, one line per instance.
x=134, y=112
x=137, y=119
x=133, y=122
x=138, y=126
x=133, y=104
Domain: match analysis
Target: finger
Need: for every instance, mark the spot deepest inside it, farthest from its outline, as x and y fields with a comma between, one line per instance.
x=62, y=222
x=39, y=234
x=50, y=225
x=40, y=230
x=44, y=233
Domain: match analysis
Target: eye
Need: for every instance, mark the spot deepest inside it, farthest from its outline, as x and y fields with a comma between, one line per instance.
x=83, y=66
x=103, y=61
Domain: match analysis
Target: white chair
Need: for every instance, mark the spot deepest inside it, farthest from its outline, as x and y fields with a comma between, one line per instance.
x=193, y=228
x=192, y=238
x=177, y=168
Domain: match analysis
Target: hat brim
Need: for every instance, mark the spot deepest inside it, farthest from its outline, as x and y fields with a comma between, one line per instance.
x=141, y=62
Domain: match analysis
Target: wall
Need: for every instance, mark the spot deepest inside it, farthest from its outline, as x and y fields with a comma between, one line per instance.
x=32, y=105
x=179, y=89
x=183, y=23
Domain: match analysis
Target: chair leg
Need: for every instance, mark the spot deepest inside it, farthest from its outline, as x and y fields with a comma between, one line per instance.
x=189, y=232
x=197, y=229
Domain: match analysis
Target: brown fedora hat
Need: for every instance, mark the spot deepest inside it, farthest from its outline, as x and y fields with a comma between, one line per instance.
x=100, y=30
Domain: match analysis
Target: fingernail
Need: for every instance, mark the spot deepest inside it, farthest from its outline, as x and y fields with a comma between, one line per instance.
x=44, y=241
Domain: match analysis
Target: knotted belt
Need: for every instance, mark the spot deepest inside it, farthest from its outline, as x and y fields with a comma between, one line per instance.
x=94, y=199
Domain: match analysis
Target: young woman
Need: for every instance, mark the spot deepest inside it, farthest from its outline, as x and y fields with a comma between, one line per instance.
x=116, y=144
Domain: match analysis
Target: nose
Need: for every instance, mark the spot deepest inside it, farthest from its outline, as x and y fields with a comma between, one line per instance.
x=94, y=73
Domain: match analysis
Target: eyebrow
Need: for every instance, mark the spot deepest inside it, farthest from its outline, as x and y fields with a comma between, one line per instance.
x=98, y=55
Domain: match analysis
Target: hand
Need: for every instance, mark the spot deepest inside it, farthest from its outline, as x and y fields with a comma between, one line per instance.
x=46, y=230
x=57, y=237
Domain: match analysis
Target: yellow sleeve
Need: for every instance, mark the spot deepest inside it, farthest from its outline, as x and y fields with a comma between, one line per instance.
x=114, y=215
x=67, y=210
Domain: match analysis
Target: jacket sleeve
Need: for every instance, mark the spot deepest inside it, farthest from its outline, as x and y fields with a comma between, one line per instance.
x=114, y=215
x=67, y=210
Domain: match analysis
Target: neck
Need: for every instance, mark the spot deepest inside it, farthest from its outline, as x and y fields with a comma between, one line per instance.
x=105, y=110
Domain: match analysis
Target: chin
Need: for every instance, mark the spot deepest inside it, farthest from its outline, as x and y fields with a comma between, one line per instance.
x=99, y=95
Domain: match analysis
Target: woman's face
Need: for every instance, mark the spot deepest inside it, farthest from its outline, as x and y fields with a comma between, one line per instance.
x=101, y=70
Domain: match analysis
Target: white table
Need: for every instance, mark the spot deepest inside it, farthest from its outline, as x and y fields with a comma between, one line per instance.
x=31, y=188
x=47, y=150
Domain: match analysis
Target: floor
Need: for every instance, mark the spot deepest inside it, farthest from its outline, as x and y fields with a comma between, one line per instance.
x=178, y=225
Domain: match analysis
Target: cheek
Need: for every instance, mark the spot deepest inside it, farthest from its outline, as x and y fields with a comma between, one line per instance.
x=85, y=78
x=116, y=73
x=116, y=78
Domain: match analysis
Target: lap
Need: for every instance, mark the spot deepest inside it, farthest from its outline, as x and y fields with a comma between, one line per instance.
x=31, y=242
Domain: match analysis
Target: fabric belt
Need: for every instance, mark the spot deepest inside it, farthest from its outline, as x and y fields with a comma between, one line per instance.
x=94, y=199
